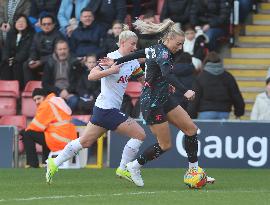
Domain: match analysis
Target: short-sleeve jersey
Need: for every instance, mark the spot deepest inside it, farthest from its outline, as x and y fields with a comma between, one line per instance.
x=113, y=86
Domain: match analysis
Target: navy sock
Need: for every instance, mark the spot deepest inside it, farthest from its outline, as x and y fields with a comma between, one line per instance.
x=150, y=153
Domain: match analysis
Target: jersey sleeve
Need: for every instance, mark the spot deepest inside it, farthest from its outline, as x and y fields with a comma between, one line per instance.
x=132, y=56
x=165, y=64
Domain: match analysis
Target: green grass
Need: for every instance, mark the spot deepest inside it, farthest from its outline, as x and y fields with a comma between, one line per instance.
x=162, y=187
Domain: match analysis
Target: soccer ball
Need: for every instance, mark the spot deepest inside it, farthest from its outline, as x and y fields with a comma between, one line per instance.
x=195, y=179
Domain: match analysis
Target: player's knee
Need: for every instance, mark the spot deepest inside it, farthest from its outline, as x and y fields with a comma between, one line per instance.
x=165, y=146
x=190, y=130
x=141, y=135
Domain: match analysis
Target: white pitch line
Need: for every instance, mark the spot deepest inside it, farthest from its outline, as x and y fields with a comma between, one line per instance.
x=131, y=193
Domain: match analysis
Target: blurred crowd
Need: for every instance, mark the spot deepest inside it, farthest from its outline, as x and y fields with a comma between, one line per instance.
x=59, y=42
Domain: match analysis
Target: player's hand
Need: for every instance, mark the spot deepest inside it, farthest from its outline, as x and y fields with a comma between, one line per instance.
x=115, y=68
x=190, y=95
x=106, y=61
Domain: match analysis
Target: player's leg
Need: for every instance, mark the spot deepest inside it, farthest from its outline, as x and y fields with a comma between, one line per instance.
x=180, y=118
x=132, y=129
x=162, y=132
x=89, y=136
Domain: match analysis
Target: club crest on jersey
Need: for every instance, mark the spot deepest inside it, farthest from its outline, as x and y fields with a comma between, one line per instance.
x=165, y=54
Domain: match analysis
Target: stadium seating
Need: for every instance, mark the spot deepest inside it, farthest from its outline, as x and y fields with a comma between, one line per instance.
x=9, y=93
x=134, y=91
x=17, y=120
x=28, y=105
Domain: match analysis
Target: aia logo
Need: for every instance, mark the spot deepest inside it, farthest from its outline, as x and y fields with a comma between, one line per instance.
x=123, y=79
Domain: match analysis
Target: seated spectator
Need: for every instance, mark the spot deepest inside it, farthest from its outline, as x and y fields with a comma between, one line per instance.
x=107, y=12
x=212, y=16
x=261, y=107
x=69, y=15
x=61, y=74
x=50, y=127
x=15, y=53
x=216, y=92
x=176, y=10
x=88, y=37
x=9, y=9
x=110, y=42
x=185, y=72
x=41, y=48
x=195, y=45
x=39, y=7
x=88, y=90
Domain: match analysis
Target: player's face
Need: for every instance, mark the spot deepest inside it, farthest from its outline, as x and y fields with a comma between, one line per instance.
x=117, y=29
x=91, y=62
x=38, y=99
x=87, y=18
x=175, y=43
x=130, y=45
x=62, y=51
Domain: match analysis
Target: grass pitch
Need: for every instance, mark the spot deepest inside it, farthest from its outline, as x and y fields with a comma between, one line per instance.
x=162, y=187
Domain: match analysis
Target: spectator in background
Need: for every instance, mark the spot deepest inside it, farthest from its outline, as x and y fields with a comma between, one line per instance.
x=19, y=40
x=110, y=43
x=107, y=11
x=9, y=9
x=195, y=45
x=212, y=16
x=61, y=74
x=42, y=47
x=185, y=71
x=44, y=6
x=176, y=10
x=69, y=15
x=261, y=107
x=88, y=37
x=216, y=92
x=88, y=90
x=245, y=6
x=147, y=39
x=50, y=127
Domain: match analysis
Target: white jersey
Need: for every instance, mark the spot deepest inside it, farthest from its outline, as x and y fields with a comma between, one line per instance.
x=113, y=86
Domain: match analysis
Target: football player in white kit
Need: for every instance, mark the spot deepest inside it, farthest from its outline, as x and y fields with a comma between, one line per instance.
x=106, y=112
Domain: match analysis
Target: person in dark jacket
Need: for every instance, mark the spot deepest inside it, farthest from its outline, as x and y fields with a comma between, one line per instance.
x=61, y=74
x=216, y=92
x=185, y=71
x=39, y=6
x=213, y=18
x=41, y=48
x=87, y=90
x=176, y=10
x=110, y=43
x=15, y=53
x=88, y=37
x=108, y=11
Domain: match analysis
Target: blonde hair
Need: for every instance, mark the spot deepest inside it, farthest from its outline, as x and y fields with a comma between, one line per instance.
x=167, y=27
x=126, y=34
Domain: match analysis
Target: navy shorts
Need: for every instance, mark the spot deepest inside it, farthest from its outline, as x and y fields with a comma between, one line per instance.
x=109, y=119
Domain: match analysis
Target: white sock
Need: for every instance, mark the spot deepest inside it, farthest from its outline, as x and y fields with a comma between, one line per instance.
x=70, y=150
x=136, y=164
x=194, y=164
x=130, y=151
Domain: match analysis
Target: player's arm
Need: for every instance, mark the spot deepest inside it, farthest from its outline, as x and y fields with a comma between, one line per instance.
x=99, y=72
x=135, y=55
